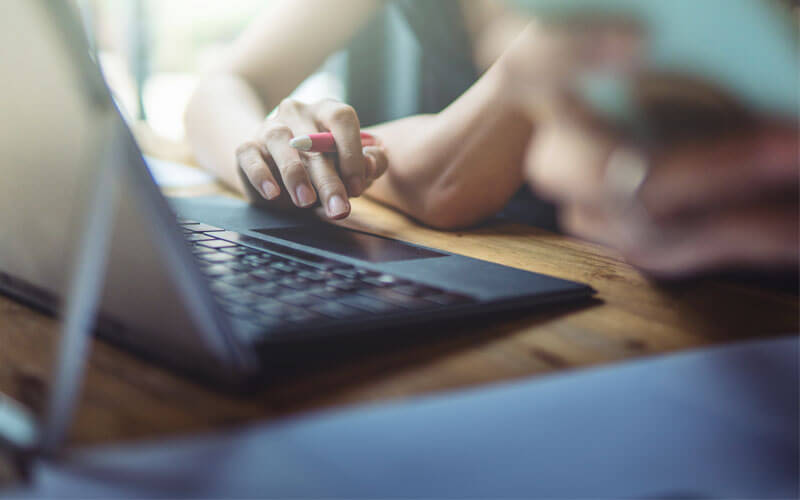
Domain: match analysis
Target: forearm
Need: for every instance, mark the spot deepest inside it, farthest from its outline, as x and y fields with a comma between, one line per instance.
x=280, y=48
x=223, y=113
x=459, y=166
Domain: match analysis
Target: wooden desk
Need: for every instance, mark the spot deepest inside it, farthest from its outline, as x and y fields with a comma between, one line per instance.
x=126, y=398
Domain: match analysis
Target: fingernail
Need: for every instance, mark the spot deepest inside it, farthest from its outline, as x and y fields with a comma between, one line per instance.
x=337, y=206
x=305, y=196
x=271, y=191
x=354, y=186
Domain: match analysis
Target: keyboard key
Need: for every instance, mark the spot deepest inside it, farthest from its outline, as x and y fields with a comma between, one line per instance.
x=198, y=237
x=387, y=295
x=276, y=309
x=236, y=267
x=368, y=304
x=222, y=289
x=326, y=292
x=345, y=286
x=197, y=250
x=268, y=274
x=282, y=266
x=384, y=280
x=217, y=244
x=240, y=280
x=295, y=283
x=353, y=273
x=203, y=228
x=186, y=222
x=334, y=310
x=266, y=289
x=236, y=250
x=314, y=275
x=243, y=297
x=256, y=258
x=216, y=257
x=299, y=299
x=217, y=270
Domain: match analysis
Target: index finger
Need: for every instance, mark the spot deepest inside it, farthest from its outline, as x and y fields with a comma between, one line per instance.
x=342, y=121
x=255, y=168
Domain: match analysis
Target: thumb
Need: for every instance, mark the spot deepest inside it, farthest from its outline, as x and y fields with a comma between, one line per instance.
x=377, y=162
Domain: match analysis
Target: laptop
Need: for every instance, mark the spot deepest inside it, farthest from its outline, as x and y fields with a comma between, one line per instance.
x=212, y=287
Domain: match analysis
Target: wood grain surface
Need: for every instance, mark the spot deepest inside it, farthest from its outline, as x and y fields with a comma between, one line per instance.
x=128, y=398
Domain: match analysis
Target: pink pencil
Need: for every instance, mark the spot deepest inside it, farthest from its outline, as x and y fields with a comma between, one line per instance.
x=323, y=142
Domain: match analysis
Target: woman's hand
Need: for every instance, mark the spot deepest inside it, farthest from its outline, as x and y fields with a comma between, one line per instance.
x=274, y=167
x=721, y=202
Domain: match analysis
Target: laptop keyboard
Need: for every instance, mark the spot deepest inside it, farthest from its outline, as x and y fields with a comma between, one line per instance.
x=267, y=287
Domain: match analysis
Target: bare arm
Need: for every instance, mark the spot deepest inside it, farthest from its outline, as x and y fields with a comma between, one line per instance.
x=447, y=170
x=459, y=166
x=276, y=52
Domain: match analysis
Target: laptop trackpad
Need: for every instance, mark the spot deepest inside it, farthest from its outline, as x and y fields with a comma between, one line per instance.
x=349, y=243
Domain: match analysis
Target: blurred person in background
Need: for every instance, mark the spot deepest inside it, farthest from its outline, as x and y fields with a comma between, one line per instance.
x=713, y=200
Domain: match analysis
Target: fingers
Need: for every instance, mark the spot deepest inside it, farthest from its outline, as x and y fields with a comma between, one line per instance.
x=321, y=168
x=571, y=162
x=565, y=162
x=275, y=138
x=591, y=225
x=753, y=236
x=376, y=163
x=342, y=121
x=308, y=177
x=329, y=186
x=252, y=163
x=733, y=170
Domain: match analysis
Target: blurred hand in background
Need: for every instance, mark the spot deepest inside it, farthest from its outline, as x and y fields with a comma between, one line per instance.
x=720, y=201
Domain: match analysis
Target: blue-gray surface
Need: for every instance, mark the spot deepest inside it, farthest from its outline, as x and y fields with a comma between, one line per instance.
x=711, y=423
